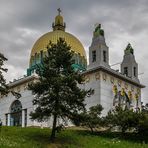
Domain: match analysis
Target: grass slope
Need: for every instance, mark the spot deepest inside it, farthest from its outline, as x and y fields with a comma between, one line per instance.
x=15, y=137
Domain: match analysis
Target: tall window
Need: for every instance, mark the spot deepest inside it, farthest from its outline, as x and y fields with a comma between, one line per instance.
x=134, y=71
x=94, y=56
x=104, y=56
x=126, y=71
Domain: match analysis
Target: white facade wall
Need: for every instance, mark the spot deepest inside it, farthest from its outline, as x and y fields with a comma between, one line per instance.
x=93, y=82
x=101, y=82
x=106, y=93
x=103, y=90
x=25, y=99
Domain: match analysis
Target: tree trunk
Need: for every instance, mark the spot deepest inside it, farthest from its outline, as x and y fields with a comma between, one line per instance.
x=53, y=132
x=91, y=128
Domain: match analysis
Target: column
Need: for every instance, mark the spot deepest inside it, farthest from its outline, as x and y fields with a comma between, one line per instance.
x=23, y=118
x=8, y=120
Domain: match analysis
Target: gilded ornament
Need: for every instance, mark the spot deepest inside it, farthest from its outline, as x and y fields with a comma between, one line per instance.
x=136, y=96
x=122, y=92
x=130, y=94
x=115, y=90
x=97, y=76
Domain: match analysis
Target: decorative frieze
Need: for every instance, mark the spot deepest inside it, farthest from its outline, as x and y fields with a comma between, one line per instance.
x=97, y=76
x=104, y=77
x=130, y=95
x=126, y=85
x=115, y=90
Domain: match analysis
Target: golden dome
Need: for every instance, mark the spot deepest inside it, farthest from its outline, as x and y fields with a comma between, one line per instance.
x=40, y=47
x=53, y=36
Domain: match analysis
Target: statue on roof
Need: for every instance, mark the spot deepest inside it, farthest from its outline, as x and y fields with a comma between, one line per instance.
x=129, y=49
x=98, y=31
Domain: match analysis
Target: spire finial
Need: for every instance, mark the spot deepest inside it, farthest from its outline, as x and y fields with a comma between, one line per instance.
x=59, y=11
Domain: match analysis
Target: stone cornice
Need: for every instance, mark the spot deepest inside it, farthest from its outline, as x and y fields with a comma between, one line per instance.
x=114, y=73
x=22, y=81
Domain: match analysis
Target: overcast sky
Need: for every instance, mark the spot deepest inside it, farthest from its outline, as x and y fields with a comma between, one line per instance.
x=22, y=22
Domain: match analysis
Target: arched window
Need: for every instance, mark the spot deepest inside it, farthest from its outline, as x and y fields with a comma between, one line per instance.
x=16, y=107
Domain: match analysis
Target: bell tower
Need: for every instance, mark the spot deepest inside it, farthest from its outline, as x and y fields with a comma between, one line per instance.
x=98, y=51
x=129, y=66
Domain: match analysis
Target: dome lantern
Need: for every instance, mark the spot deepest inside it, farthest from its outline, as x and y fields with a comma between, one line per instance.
x=59, y=24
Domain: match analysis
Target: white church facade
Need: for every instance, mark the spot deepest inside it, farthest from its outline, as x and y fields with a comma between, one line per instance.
x=111, y=87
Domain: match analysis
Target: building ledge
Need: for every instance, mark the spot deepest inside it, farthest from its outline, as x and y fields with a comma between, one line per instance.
x=114, y=73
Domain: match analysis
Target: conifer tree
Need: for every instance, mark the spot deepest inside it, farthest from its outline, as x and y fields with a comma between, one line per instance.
x=91, y=118
x=57, y=94
x=3, y=86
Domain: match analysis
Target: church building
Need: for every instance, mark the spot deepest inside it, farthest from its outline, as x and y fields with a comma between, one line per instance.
x=111, y=87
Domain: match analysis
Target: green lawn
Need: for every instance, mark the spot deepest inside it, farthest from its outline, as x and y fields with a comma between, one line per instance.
x=15, y=137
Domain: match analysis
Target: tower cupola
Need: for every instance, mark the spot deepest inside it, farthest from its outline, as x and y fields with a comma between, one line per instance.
x=98, y=51
x=129, y=66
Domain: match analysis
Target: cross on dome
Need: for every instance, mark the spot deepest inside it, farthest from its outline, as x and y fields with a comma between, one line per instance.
x=59, y=10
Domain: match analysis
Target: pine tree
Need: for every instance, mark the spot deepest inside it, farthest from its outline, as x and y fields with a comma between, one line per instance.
x=3, y=86
x=90, y=118
x=57, y=94
x=124, y=119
